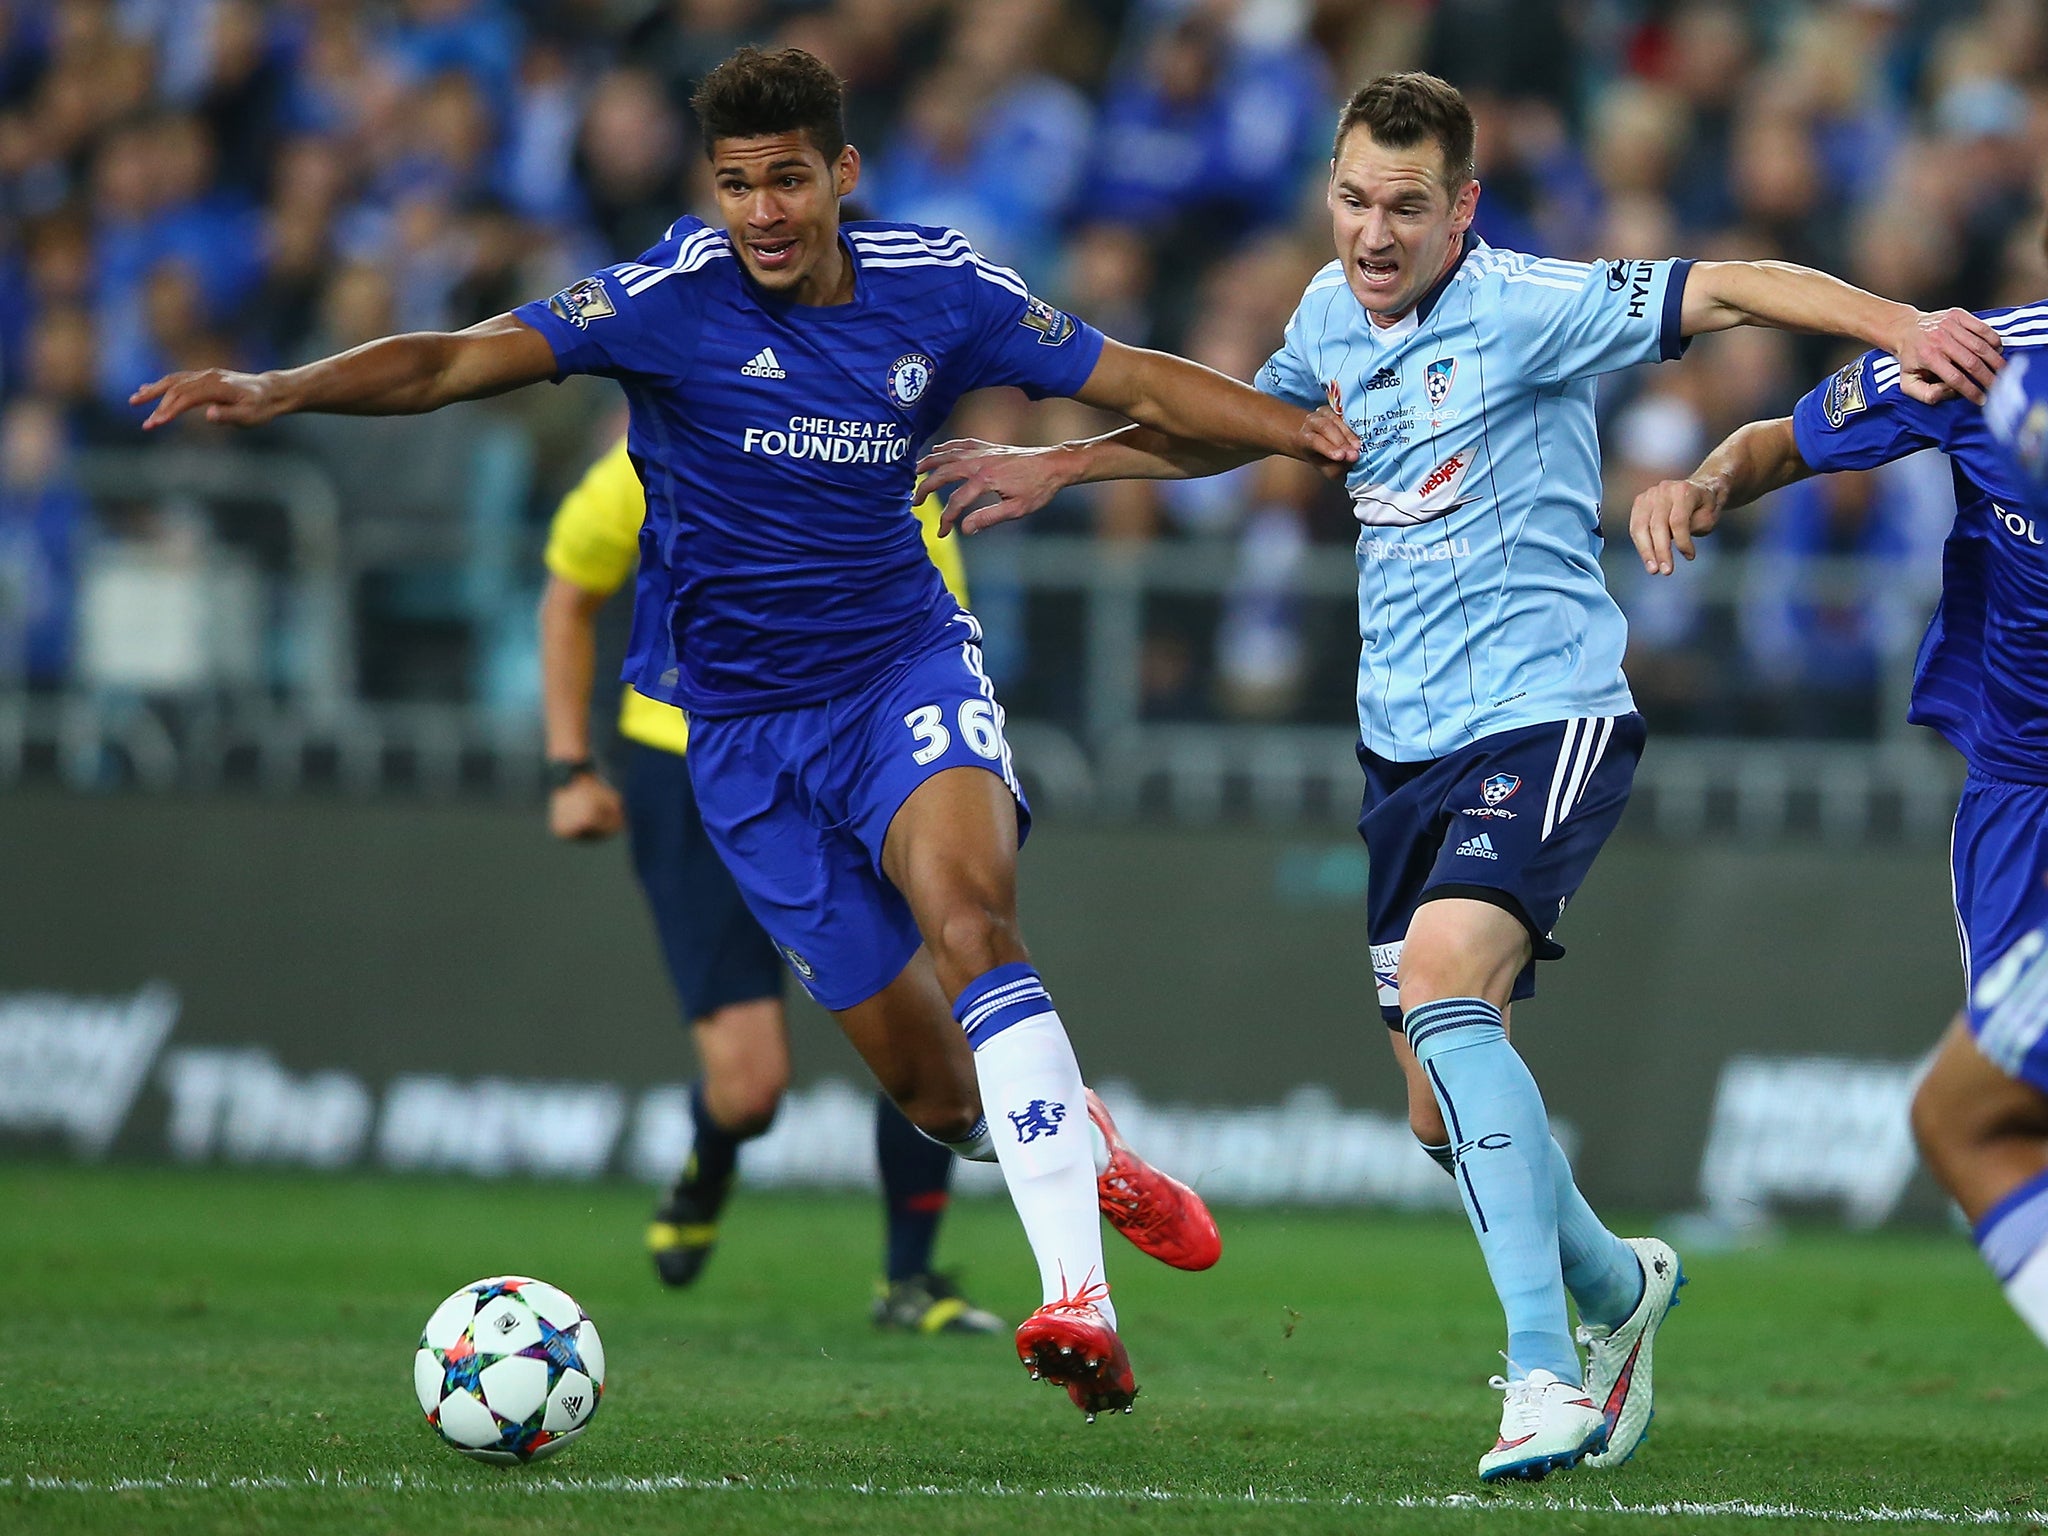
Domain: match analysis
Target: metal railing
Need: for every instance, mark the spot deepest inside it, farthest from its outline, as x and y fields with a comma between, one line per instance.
x=320, y=645
x=1104, y=758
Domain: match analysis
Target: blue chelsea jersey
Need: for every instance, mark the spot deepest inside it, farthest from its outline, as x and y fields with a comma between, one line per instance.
x=1481, y=604
x=1982, y=674
x=780, y=562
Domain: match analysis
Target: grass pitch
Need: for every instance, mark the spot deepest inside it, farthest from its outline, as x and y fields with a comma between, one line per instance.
x=204, y=1351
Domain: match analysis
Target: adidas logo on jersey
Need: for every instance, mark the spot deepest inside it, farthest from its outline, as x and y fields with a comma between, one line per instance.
x=1480, y=847
x=764, y=366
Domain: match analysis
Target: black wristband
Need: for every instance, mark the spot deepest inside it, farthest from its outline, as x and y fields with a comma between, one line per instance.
x=561, y=775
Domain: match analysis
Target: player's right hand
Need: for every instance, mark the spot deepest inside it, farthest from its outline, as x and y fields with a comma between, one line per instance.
x=1020, y=479
x=236, y=399
x=1947, y=354
x=586, y=809
x=1670, y=516
x=1328, y=443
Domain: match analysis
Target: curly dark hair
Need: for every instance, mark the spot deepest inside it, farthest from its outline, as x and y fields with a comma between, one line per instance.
x=1400, y=111
x=756, y=93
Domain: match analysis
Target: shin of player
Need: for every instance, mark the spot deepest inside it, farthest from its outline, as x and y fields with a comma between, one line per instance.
x=952, y=850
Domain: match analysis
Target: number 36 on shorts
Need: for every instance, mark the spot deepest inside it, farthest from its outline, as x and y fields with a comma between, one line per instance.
x=980, y=722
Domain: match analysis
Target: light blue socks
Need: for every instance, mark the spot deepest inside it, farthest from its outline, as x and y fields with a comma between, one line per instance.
x=1601, y=1271
x=1501, y=1139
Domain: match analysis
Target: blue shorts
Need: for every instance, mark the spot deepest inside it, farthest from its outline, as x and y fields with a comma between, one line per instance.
x=717, y=954
x=1999, y=860
x=1514, y=819
x=799, y=801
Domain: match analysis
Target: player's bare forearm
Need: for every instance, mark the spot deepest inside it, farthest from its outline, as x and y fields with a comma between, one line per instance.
x=1752, y=462
x=1024, y=479
x=1226, y=425
x=568, y=662
x=395, y=376
x=1185, y=400
x=1145, y=453
x=1952, y=352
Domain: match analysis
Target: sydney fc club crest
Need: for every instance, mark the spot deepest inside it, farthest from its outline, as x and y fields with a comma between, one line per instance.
x=1499, y=787
x=909, y=377
x=1436, y=379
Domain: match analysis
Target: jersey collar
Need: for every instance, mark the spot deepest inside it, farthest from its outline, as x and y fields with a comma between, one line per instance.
x=775, y=304
x=1466, y=246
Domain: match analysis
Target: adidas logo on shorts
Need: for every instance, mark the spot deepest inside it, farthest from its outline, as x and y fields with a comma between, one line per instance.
x=764, y=366
x=1480, y=847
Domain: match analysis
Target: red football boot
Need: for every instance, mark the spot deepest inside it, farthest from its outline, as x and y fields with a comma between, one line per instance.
x=1154, y=1210
x=1069, y=1341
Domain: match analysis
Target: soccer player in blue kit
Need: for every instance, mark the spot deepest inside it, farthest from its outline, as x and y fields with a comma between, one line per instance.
x=1497, y=732
x=847, y=748
x=1980, y=1113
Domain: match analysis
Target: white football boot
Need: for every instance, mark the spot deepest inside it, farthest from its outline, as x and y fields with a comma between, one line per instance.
x=1546, y=1425
x=1618, y=1358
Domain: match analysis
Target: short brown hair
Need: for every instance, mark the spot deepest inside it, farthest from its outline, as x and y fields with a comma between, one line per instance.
x=1400, y=111
x=756, y=93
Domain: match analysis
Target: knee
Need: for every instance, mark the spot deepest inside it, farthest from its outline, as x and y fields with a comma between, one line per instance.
x=1461, y=948
x=746, y=1101
x=1432, y=971
x=1942, y=1125
x=752, y=1111
x=975, y=933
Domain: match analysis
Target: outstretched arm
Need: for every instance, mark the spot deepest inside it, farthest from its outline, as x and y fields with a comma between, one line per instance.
x=1951, y=353
x=1024, y=479
x=1754, y=461
x=397, y=376
x=1189, y=421
x=1221, y=421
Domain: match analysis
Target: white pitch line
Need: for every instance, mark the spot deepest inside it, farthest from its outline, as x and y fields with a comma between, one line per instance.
x=344, y=1482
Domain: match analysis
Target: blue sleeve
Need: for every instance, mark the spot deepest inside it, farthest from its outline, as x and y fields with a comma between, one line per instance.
x=1849, y=421
x=1289, y=374
x=639, y=319
x=2017, y=413
x=1023, y=341
x=1574, y=320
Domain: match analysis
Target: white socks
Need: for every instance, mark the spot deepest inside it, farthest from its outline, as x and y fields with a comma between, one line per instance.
x=1037, y=1112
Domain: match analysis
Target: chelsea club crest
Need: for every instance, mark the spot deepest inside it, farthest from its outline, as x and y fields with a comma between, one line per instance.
x=909, y=377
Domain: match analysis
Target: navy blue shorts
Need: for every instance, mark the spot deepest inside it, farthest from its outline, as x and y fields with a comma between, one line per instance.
x=717, y=954
x=799, y=801
x=1514, y=819
x=1999, y=860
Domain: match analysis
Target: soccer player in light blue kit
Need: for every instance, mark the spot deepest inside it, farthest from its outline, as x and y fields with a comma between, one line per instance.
x=1981, y=1112
x=1497, y=733
x=847, y=749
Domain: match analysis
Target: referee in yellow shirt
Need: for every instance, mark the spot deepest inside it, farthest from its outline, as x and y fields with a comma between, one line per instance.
x=727, y=973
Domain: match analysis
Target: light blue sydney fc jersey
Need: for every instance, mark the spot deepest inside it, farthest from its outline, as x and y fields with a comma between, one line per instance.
x=1481, y=606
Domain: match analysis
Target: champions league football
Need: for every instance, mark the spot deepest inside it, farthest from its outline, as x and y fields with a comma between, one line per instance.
x=509, y=1370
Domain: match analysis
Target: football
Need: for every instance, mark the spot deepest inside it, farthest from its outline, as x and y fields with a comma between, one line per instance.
x=509, y=1369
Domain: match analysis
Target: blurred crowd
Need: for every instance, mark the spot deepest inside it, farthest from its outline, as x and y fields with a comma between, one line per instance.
x=186, y=183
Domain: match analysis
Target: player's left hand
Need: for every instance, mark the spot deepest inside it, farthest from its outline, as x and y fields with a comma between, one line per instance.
x=1020, y=479
x=1947, y=354
x=586, y=810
